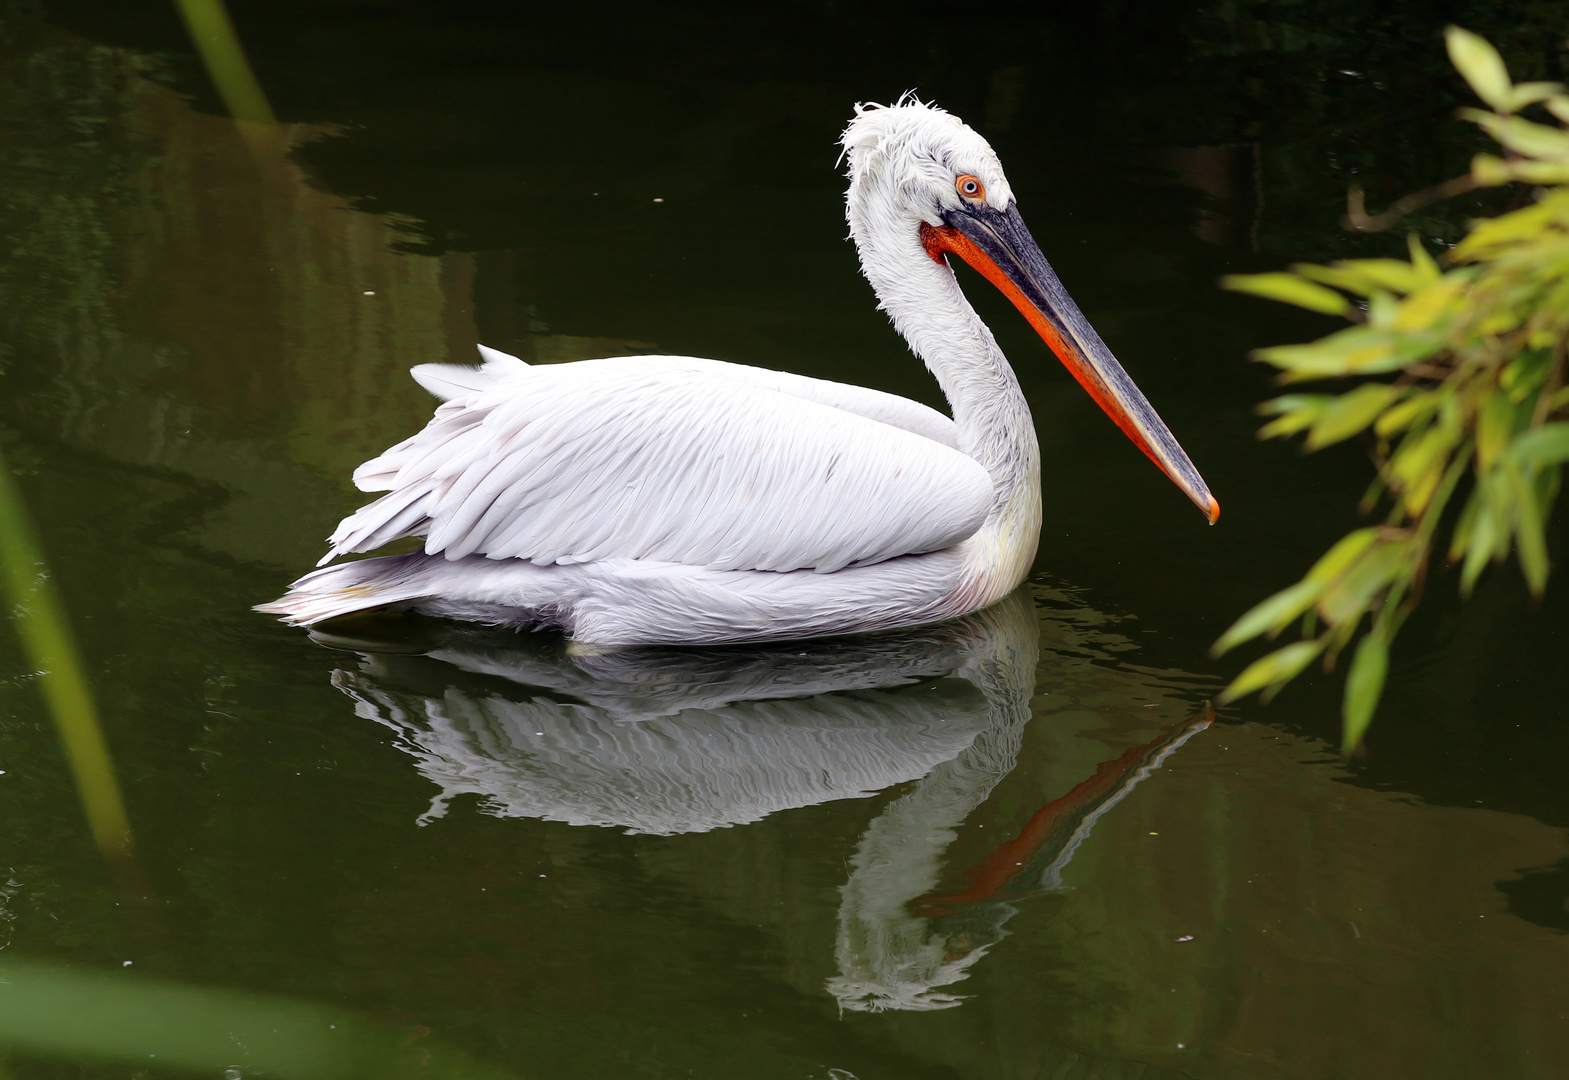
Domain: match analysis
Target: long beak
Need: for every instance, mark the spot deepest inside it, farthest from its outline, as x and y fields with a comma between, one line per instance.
x=996, y=243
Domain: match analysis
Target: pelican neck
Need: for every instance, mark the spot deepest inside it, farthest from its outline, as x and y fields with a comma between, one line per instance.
x=923, y=299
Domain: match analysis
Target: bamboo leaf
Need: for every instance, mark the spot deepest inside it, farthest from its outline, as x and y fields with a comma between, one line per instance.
x=1351, y=413
x=1499, y=232
x=1422, y=263
x=1495, y=488
x=1391, y=274
x=1426, y=305
x=1294, y=412
x=1495, y=423
x=1289, y=289
x=1529, y=93
x=1337, y=559
x=1480, y=547
x=1339, y=276
x=1546, y=445
x=1465, y=527
x=1270, y=616
x=1349, y=597
x=1490, y=171
x=1539, y=172
x=1272, y=669
x=1415, y=466
x=1293, y=403
x=1522, y=375
x=1523, y=136
x=1401, y=416
x=1479, y=63
x=1286, y=425
x=1529, y=535
x=1364, y=686
x=1356, y=349
x=1382, y=308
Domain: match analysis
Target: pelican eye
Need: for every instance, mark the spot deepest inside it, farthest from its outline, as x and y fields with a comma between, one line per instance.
x=970, y=187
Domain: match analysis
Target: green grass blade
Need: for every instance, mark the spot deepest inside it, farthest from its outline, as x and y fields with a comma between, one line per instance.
x=46, y=638
x=212, y=31
x=124, y=1018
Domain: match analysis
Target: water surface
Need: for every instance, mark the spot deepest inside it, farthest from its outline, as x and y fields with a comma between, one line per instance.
x=1017, y=845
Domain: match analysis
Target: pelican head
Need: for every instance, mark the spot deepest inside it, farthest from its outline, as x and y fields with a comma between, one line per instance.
x=921, y=180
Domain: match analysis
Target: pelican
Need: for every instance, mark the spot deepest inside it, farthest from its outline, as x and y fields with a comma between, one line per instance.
x=677, y=500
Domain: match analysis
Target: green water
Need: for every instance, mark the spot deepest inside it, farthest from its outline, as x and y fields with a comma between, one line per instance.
x=476, y=848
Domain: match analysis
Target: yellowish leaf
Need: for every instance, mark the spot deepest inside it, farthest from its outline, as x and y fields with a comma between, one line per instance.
x=1422, y=263
x=1541, y=447
x=1340, y=277
x=1352, y=594
x=1490, y=171
x=1523, y=224
x=1531, y=542
x=1290, y=289
x=1495, y=423
x=1423, y=307
x=1364, y=686
x=1352, y=412
x=1270, y=616
x=1529, y=93
x=1419, y=462
x=1523, y=136
x=1539, y=172
x=1280, y=666
x=1347, y=550
x=1381, y=310
x=1392, y=274
x=1403, y=415
x=1479, y=63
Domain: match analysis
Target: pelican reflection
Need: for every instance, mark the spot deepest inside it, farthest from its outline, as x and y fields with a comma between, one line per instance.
x=663, y=741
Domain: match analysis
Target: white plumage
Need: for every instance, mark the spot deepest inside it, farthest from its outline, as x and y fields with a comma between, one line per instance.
x=676, y=499
x=657, y=458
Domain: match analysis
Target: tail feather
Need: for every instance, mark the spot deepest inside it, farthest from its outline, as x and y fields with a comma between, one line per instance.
x=449, y=381
x=391, y=517
x=350, y=587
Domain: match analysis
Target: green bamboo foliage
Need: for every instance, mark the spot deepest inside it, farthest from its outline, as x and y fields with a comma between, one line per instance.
x=1460, y=369
x=40, y=622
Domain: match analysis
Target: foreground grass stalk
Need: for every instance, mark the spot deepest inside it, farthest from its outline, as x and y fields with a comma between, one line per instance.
x=213, y=34
x=212, y=31
x=46, y=639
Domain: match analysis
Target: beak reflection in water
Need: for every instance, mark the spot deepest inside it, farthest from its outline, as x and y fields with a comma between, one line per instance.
x=665, y=741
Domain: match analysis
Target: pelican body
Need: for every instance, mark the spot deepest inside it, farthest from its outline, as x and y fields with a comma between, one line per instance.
x=672, y=499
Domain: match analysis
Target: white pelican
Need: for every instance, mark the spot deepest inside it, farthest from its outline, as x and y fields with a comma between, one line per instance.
x=670, y=499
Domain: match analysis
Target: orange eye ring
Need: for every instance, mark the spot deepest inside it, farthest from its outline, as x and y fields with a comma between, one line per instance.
x=970, y=187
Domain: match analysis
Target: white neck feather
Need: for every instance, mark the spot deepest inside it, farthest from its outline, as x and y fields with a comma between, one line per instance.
x=928, y=308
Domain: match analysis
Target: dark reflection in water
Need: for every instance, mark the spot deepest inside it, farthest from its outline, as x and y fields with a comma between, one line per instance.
x=666, y=741
x=1541, y=895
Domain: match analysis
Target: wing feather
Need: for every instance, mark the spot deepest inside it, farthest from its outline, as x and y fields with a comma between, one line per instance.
x=678, y=462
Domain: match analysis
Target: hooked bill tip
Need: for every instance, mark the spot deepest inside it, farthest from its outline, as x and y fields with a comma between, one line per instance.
x=1212, y=511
